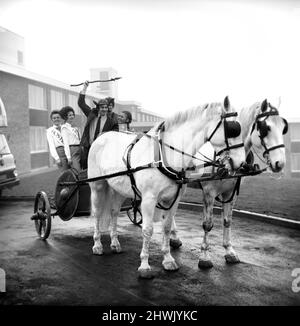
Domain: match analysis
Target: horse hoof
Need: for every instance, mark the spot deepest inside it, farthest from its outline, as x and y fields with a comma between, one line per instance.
x=170, y=266
x=146, y=274
x=205, y=264
x=98, y=251
x=116, y=249
x=175, y=243
x=232, y=259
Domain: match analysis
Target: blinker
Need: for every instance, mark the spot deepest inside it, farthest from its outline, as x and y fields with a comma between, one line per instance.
x=233, y=129
x=263, y=128
x=286, y=127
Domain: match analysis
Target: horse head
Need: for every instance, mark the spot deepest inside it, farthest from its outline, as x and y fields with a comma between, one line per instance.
x=267, y=136
x=226, y=137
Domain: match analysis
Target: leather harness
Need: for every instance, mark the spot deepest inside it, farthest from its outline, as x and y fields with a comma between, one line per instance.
x=232, y=129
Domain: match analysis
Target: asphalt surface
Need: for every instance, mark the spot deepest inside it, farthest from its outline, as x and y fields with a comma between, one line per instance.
x=63, y=270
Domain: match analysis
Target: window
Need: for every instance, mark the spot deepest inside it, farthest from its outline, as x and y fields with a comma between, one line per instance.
x=295, y=131
x=295, y=162
x=4, y=149
x=38, y=140
x=20, y=58
x=3, y=118
x=36, y=97
x=73, y=103
x=56, y=100
x=104, y=76
x=133, y=113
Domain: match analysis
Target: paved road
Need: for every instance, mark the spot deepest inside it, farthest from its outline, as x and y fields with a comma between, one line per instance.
x=63, y=271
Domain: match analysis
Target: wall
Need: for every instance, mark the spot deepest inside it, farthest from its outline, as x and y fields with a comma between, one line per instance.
x=14, y=94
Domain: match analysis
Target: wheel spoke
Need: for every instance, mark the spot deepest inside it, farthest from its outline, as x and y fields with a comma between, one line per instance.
x=43, y=222
x=40, y=226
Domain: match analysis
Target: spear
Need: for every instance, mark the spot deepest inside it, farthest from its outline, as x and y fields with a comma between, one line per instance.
x=98, y=81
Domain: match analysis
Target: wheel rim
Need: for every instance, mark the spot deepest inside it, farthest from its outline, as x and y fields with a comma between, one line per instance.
x=43, y=211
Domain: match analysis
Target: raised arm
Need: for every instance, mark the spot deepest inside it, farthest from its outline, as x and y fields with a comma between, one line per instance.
x=81, y=100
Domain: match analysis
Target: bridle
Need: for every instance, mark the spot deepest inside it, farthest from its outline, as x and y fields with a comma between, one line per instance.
x=263, y=129
x=232, y=129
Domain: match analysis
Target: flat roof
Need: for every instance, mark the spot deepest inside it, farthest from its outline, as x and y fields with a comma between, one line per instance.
x=3, y=30
x=22, y=72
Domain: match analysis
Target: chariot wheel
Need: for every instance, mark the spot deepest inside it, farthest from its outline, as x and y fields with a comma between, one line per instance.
x=67, y=196
x=135, y=215
x=42, y=215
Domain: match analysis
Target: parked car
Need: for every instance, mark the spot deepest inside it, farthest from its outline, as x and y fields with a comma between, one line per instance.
x=8, y=171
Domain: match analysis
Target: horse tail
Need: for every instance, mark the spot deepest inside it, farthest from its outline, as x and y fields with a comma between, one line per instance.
x=100, y=190
x=94, y=153
x=101, y=204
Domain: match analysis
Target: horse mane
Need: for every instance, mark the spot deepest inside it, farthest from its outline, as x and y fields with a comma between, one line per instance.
x=211, y=110
x=248, y=115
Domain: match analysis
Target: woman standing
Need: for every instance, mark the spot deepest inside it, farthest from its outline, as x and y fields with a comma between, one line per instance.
x=71, y=137
x=55, y=141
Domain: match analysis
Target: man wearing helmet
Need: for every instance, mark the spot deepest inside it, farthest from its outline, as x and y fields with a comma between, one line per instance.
x=98, y=121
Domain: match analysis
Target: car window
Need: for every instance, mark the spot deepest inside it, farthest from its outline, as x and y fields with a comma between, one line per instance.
x=4, y=149
x=3, y=118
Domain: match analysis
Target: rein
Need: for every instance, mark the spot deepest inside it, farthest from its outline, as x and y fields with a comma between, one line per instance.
x=178, y=176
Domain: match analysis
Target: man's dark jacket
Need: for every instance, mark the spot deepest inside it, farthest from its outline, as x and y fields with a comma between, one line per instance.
x=111, y=124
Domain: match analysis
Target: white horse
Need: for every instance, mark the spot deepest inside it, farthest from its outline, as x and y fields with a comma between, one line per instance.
x=186, y=132
x=262, y=131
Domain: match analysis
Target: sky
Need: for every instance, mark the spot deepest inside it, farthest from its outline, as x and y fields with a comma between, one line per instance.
x=171, y=54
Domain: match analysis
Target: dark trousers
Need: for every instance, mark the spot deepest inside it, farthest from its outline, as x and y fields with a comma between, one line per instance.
x=75, y=156
x=84, y=152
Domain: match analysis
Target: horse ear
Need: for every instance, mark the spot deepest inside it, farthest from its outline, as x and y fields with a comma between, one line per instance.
x=226, y=103
x=264, y=105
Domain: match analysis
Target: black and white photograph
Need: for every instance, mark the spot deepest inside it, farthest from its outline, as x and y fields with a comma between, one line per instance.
x=149, y=156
